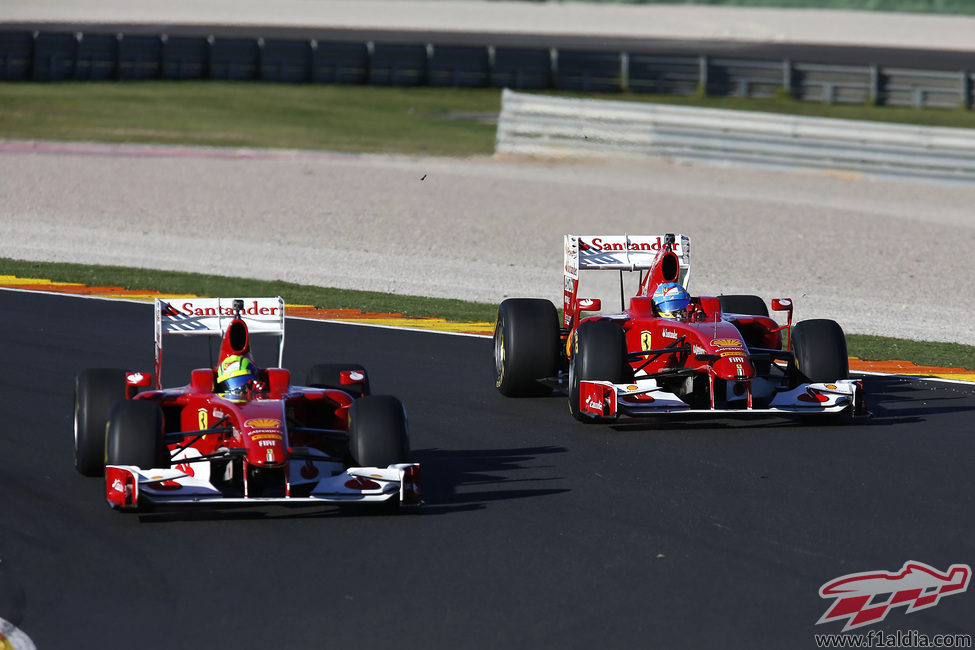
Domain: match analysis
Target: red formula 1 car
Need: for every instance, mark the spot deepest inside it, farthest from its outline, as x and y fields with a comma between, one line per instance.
x=712, y=355
x=238, y=434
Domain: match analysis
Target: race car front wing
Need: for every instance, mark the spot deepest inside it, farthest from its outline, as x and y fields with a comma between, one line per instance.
x=603, y=399
x=130, y=488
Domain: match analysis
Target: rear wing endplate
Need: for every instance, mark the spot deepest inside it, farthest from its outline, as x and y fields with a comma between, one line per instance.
x=211, y=317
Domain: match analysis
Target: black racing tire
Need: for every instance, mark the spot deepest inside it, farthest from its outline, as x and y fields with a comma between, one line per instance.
x=95, y=391
x=378, y=433
x=526, y=346
x=599, y=353
x=135, y=435
x=327, y=375
x=820, y=351
x=745, y=305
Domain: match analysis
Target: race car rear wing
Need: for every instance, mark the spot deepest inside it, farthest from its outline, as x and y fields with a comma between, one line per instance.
x=622, y=253
x=212, y=316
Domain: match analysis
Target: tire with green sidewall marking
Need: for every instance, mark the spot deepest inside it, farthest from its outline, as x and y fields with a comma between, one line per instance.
x=526, y=346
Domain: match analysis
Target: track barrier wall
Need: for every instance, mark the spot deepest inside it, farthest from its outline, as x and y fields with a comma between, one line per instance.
x=538, y=125
x=80, y=56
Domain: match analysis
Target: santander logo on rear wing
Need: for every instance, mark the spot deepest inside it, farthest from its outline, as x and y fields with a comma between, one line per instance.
x=212, y=316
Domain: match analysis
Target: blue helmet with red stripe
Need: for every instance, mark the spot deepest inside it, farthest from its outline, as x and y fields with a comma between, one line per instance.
x=671, y=300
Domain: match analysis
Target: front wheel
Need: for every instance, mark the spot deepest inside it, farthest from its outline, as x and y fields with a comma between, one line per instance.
x=95, y=391
x=598, y=353
x=135, y=435
x=819, y=346
x=378, y=434
x=526, y=346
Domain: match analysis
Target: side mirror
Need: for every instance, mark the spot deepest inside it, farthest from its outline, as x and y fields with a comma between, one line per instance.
x=784, y=304
x=589, y=304
x=351, y=377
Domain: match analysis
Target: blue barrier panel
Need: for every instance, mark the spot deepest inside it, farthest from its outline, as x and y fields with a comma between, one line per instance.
x=589, y=71
x=521, y=68
x=16, y=55
x=235, y=59
x=185, y=57
x=339, y=63
x=97, y=57
x=744, y=78
x=140, y=57
x=678, y=75
x=55, y=56
x=465, y=67
x=286, y=61
x=398, y=65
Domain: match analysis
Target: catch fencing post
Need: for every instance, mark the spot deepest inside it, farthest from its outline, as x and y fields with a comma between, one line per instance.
x=702, y=75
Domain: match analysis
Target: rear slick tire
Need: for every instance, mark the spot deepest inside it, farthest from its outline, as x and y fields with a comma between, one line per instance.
x=329, y=375
x=526, y=347
x=743, y=304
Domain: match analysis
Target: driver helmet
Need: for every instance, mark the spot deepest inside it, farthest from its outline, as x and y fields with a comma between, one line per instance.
x=235, y=374
x=671, y=300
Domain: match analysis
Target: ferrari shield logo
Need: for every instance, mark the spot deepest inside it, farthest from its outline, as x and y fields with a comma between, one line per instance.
x=202, y=413
x=645, y=340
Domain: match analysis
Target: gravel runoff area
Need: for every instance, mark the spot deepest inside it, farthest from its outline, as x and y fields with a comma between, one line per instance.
x=880, y=257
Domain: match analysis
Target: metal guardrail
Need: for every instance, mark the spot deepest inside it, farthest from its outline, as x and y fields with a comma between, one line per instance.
x=538, y=125
x=59, y=56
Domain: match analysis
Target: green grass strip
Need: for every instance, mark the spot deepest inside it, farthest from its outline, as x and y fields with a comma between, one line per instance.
x=862, y=346
x=459, y=311
x=415, y=121
x=254, y=115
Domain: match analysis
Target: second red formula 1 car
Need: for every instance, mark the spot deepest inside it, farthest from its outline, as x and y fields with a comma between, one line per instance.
x=668, y=351
x=238, y=434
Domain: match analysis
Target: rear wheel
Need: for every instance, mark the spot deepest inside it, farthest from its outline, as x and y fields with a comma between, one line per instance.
x=526, y=346
x=599, y=353
x=95, y=391
x=378, y=434
x=819, y=346
x=328, y=375
x=135, y=435
x=743, y=304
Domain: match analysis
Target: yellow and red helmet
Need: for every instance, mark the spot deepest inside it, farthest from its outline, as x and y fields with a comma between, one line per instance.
x=235, y=374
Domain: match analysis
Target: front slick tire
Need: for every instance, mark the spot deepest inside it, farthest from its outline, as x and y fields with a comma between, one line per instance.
x=526, y=347
x=598, y=353
x=378, y=435
x=820, y=349
x=95, y=390
x=135, y=435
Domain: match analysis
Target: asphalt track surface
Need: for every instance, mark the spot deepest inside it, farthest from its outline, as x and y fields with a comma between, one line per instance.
x=538, y=532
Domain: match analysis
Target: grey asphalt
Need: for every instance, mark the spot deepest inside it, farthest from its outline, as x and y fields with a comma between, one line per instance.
x=539, y=532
